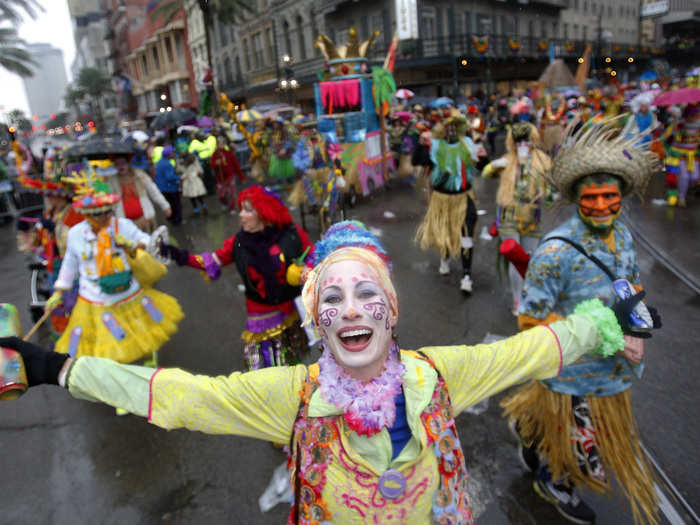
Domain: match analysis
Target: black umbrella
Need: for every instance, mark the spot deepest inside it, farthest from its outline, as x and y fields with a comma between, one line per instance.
x=175, y=117
x=98, y=147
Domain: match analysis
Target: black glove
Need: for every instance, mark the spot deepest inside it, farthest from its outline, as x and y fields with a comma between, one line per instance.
x=623, y=309
x=48, y=224
x=41, y=365
x=173, y=252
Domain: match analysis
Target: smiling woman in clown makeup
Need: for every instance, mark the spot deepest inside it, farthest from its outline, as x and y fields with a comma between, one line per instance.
x=370, y=426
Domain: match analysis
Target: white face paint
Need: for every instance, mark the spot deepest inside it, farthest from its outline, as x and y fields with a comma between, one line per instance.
x=355, y=318
x=523, y=151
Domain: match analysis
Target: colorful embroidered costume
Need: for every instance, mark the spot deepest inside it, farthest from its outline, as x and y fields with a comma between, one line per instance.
x=341, y=472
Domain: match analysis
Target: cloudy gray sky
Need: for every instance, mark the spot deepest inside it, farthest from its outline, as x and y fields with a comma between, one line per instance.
x=53, y=26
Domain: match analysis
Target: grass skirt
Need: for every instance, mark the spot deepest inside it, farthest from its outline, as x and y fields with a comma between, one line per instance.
x=281, y=168
x=442, y=225
x=546, y=418
x=125, y=332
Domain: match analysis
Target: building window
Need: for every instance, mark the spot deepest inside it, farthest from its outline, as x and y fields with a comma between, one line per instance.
x=565, y=27
x=467, y=23
x=259, y=59
x=376, y=23
x=227, y=71
x=300, y=36
x=144, y=65
x=246, y=54
x=169, y=50
x=585, y=33
x=270, y=45
x=428, y=23
x=483, y=24
x=287, y=40
x=576, y=31
x=531, y=28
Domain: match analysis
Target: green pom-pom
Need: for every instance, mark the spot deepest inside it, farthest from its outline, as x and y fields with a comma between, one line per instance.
x=606, y=323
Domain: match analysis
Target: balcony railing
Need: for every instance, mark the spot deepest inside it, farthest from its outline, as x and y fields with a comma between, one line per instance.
x=502, y=47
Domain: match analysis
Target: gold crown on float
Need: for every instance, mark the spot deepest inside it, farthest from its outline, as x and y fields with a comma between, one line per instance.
x=353, y=48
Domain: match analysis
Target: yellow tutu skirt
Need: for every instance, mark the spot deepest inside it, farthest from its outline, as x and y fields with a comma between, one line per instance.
x=126, y=331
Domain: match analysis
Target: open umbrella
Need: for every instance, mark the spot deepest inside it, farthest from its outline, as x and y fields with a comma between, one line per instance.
x=441, y=102
x=678, y=96
x=205, y=122
x=648, y=76
x=403, y=115
x=98, y=148
x=404, y=93
x=139, y=135
x=249, y=115
x=174, y=118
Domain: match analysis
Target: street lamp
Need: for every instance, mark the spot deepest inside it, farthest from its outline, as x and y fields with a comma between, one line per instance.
x=630, y=60
x=288, y=83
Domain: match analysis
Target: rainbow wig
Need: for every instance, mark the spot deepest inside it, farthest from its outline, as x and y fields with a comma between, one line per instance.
x=347, y=241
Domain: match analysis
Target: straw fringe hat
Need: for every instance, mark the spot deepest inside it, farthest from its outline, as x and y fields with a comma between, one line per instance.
x=600, y=148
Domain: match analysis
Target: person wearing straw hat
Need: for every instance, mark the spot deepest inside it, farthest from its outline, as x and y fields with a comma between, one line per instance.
x=115, y=316
x=450, y=221
x=370, y=427
x=578, y=429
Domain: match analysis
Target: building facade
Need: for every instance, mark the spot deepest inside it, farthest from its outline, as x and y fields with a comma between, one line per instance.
x=196, y=39
x=461, y=46
x=90, y=20
x=45, y=90
x=150, y=59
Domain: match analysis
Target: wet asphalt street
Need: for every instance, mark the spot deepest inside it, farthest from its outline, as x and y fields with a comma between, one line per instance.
x=64, y=461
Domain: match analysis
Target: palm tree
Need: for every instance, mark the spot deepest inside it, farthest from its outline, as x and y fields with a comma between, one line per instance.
x=227, y=11
x=73, y=97
x=10, y=10
x=94, y=84
x=13, y=53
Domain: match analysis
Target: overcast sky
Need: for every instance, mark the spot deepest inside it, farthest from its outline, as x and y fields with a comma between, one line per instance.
x=53, y=26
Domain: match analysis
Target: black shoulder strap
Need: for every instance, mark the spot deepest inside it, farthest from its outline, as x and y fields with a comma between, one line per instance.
x=581, y=249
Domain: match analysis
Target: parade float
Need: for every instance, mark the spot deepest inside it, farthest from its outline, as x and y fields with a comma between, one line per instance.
x=352, y=101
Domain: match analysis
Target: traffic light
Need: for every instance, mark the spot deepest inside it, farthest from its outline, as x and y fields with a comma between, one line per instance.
x=12, y=129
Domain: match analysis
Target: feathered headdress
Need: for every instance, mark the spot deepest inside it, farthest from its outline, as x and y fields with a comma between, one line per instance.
x=600, y=148
x=92, y=195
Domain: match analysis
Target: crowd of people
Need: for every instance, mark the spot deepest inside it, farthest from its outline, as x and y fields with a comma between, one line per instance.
x=369, y=428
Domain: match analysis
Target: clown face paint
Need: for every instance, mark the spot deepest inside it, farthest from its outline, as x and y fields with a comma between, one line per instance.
x=355, y=318
x=599, y=203
x=523, y=151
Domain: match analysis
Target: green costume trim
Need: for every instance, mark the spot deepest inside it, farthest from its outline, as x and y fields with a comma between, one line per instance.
x=607, y=325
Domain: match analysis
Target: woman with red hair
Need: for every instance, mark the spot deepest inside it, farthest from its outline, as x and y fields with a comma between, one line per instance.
x=268, y=252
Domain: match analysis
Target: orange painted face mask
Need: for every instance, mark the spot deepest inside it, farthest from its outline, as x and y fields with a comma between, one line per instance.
x=599, y=204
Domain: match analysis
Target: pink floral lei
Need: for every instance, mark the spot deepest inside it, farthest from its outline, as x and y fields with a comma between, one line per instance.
x=367, y=406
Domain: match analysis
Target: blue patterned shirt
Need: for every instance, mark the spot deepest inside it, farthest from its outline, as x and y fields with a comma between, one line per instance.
x=559, y=277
